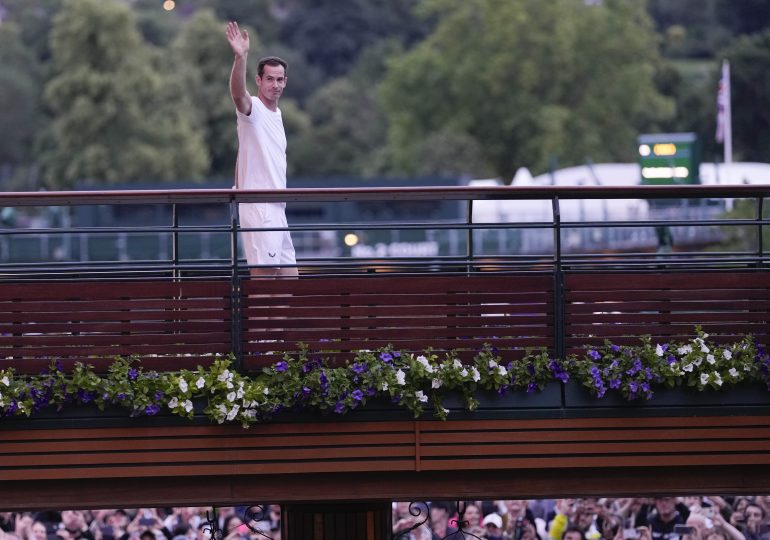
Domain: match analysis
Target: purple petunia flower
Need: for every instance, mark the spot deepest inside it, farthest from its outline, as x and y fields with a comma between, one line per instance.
x=615, y=384
x=281, y=366
x=357, y=395
x=386, y=357
x=151, y=410
x=358, y=368
x=132, y=374
x=593, y=353
x=339, y=408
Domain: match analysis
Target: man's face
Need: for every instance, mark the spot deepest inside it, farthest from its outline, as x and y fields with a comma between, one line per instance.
x=753, y=515
x=665, y=505
x=272, y=83
x=571, y=535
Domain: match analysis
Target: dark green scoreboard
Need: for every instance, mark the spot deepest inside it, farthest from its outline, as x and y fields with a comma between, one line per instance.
x=669, y=158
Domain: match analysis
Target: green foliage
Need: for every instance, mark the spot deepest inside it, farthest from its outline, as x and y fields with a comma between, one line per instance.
x=20, y=114
x=528, y=80
x=417, y=382
x=204, y=60
x=750, y=80
x=116, y=117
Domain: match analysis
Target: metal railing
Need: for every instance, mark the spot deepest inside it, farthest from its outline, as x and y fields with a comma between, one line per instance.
x=490, y=229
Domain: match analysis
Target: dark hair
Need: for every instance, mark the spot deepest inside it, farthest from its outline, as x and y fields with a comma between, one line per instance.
x=271, y=61
x=575, y=530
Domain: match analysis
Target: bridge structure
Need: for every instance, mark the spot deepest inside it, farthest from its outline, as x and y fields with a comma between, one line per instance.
x=340, y=473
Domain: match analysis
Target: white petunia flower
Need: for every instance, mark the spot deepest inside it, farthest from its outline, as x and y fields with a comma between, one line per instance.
x=684, y=349
x=710, y=359
x=5, y=381
x=457, y=364
x=425, y=363
x=173, y=403
x=233, y=412
x=401, y=377
x=475, y=373
x=688, y=367
x=704, y=378
x=420, y=395
x=446, y=411
x=183, y=385
x=733, y=372
x=492, y=364
x=231, y=397
x=727, y=354
x=717, y=379
x=435, y=383
x=659, y=350
x=464, y=373
x=502, y=371
x=266, y=391
x=385, y=387
x=704, y=348
x=200, y=383
x=188, y=406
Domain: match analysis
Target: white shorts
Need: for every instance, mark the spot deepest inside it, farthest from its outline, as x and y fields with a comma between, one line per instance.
x=266, y=248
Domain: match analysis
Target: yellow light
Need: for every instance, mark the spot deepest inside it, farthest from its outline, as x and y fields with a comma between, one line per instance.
x=351, y=239
x=644, y=150
x=168, y=5
x=664, y=149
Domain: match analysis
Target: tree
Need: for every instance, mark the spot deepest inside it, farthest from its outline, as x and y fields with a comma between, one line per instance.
x=750, y=81
x=527, y=81
x=347, y=135
x=20, y=115
x=117, y=116
x=204, y=60
x=332, y=34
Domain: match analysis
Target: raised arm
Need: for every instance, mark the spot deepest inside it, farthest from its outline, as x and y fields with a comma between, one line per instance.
x=239, y=43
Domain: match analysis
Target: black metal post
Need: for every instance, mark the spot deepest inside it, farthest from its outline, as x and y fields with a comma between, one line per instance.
x=235, y=288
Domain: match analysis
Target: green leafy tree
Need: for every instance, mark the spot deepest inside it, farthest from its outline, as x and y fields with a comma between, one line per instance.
x=750, y=87
x=332, y=34
x=118, y=115
x=204, y=60
x=527, y=81
x=20, y=112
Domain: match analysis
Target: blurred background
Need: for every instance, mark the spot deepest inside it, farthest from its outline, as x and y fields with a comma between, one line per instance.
x=129, y=92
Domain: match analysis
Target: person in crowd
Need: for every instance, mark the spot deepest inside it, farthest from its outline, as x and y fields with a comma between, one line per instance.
x=668, y=514
x=754, y=519
x=493, y=526
x=440, y=512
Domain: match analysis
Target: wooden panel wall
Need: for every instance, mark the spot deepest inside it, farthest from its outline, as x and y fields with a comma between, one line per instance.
x=161, y=322
x=376, y=460
x=335, y=316
x=666, y=306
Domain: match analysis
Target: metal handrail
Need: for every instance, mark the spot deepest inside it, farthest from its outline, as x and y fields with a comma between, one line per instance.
x=470, y=257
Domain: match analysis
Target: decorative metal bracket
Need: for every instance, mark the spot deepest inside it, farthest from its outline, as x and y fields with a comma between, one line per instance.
x=421, y=511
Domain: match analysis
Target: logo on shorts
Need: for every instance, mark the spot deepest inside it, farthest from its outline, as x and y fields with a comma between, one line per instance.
x=271, y=254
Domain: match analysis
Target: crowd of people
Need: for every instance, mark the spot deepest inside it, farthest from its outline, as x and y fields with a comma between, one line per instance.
x=657, y=518
x=182, y=523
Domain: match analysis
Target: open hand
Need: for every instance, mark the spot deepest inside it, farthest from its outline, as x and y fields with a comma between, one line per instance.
x=238, y=39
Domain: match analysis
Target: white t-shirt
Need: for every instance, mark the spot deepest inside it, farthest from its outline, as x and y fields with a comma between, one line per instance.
x=261, y=148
